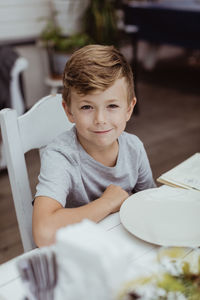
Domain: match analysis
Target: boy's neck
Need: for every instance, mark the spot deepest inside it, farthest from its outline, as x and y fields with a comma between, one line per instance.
x=107, y=156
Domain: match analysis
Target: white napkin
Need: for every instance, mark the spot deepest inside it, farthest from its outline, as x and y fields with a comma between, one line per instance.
x=91, y=264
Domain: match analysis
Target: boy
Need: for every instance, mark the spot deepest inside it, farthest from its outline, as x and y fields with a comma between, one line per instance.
x=90, y=170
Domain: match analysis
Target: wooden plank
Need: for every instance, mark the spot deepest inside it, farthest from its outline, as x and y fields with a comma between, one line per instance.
x=12, y=3
x=10, y=245
x=23, y=13
x=21, y=30
x=20, y=19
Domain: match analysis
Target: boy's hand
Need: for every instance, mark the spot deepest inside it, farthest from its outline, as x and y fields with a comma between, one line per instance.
x=114, y=196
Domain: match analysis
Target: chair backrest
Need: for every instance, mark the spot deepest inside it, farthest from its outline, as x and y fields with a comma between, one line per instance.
x=34, y=129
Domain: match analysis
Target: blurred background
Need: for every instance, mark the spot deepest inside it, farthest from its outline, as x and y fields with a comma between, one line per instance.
x=161, y=41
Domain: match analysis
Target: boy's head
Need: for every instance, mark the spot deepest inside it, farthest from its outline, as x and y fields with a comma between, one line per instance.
x=96, y=67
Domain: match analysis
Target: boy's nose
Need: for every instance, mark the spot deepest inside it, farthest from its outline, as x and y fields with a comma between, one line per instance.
x=100, y=117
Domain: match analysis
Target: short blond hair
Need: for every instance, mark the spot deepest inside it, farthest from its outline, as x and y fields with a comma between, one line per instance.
x=96, y=67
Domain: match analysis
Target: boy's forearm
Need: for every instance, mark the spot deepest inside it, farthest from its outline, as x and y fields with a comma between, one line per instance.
x=44, y=229
x=49, y=215
x=95, y=211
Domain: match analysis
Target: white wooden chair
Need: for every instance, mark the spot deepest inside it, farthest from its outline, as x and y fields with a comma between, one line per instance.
x=16, y=98
x=34, y=129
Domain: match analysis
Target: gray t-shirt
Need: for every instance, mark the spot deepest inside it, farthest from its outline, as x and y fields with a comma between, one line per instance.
x=72, y=177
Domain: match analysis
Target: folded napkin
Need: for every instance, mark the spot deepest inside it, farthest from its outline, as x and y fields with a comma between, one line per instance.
x=91, y=264
x=85, y=263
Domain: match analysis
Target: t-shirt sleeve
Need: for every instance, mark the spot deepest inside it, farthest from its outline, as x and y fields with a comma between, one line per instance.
x=54, y=178
x=145, y=177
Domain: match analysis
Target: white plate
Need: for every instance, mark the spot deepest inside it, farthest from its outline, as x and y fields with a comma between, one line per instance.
x=165, y=216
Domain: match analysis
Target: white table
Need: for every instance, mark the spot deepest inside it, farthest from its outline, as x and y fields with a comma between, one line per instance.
x=143, y=258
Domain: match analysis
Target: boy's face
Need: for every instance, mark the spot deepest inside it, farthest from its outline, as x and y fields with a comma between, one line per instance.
x=100, y=117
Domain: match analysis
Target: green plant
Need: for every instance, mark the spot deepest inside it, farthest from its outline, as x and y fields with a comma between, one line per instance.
x=52, y=37
x=177, y=278
x=100, y=27
x=101, y=22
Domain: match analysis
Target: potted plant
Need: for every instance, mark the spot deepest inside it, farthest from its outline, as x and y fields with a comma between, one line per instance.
x=99, y=26
x=59, y=47
x=69, y=14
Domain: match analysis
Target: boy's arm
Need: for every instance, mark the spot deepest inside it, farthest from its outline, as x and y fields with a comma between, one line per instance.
x=145, y=177
x=49, y=215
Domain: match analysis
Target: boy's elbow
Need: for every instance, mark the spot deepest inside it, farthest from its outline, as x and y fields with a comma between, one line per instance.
x=43, y=234
x=43, y=221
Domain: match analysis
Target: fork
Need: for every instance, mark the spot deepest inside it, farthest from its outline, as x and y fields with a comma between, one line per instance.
x=39, y=273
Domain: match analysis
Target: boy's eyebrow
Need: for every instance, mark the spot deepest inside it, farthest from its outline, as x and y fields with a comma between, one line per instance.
x=111, y=100
x=90, y=101
x=84, y=101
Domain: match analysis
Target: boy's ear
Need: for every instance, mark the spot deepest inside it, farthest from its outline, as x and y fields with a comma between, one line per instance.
x=130, y=108
x=68, y=111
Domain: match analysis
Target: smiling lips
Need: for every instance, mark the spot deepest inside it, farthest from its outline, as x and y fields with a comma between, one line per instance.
x=102, y=131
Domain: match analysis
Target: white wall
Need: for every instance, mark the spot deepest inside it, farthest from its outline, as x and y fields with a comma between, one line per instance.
x=20, y=19
x=20, y=22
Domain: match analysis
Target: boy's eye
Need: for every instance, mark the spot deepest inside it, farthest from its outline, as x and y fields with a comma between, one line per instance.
x=113, y=106
x=86, y=107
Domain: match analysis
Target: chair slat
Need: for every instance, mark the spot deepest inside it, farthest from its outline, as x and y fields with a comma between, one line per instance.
x=43, y=122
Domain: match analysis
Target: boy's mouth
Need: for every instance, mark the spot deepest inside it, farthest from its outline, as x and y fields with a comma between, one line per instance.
x=102, y=131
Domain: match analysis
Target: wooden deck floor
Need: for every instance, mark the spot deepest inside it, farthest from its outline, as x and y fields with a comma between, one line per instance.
x=168, y=124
